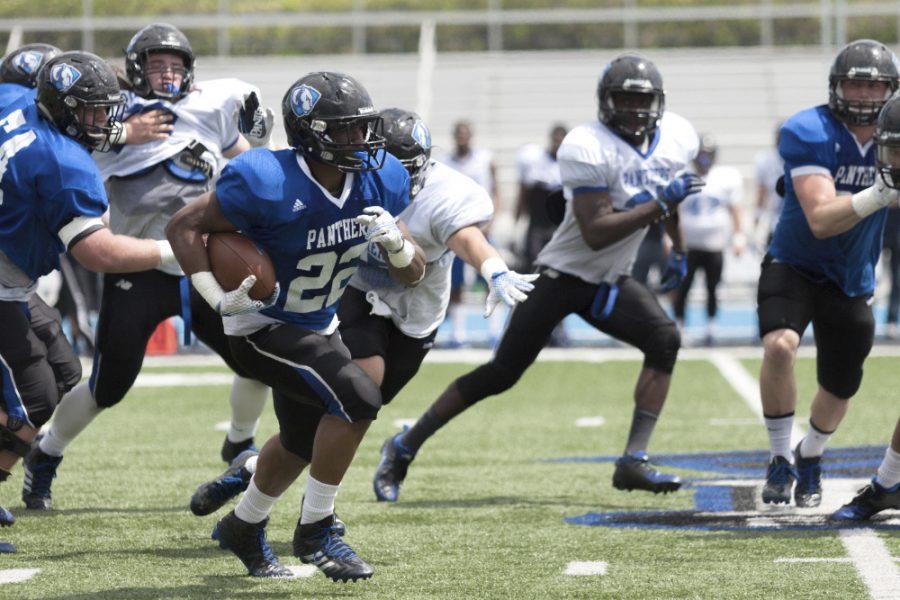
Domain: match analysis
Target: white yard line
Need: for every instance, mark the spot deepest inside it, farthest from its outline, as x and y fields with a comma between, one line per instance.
x=17, y=575
x=583, y=568
x=298, y=571
x=867, y=551
x=590, y=422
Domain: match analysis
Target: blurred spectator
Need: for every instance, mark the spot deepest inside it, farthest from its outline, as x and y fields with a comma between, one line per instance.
x=769, y=167
x=477, y=163
x=711, y=221
x=892, y=245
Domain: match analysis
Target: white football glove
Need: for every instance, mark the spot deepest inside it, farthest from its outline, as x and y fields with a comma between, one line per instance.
x=506, y=286
x=874, y=198
x=381, y=228
x=231, y=303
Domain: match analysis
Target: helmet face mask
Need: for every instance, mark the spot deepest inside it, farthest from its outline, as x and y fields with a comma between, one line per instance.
x=631, y=98
x=861, y=61
x=155, y=40
x=329, y=118
x=409, y=140
x=79, y=93
x=22, y=65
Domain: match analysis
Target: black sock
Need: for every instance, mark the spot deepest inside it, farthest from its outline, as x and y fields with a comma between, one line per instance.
x=423, y=429
x=642, y=424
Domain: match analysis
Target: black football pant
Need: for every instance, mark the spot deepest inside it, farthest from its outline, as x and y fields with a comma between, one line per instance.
x=711, y=263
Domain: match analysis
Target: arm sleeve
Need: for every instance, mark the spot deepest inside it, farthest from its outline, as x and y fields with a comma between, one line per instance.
x=583, y=169
x=236, y=201
x=72, y=213
x=69, y=186
x=803, y=152
x=471, y=207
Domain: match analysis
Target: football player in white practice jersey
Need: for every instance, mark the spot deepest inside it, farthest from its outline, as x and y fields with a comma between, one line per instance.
x=711, y=221
x=179, y=133
x=620, y=174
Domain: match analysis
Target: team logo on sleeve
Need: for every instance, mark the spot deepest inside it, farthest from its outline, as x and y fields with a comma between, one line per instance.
x=63, y=76
x=421, y=134
x=304, y=99
x=28, y=62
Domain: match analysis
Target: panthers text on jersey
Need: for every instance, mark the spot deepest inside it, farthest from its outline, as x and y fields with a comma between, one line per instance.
x=10, y=92
x=593, y=158
x=446, y=203
x=705, y=216
x=814, y=141
x=311, y=236
x=51, y=195
x=208, y=115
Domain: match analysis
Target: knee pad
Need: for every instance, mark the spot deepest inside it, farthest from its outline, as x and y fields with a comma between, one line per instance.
x=661, y=348
x=487, y=380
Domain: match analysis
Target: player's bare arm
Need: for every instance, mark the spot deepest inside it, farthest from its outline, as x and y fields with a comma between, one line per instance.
x=829, y=213
x=241, y=145
x=185, y=232
x=102, y=251
x=601, y=226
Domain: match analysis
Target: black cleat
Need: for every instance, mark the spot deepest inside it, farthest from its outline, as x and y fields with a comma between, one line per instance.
x=248, y=542
x=868, y=502
x=321, y=545
x=40, y=469
x=633, y=472
x=212, y=495
x=780, y=477
x=808, y=491
x=230, y=450
x=391, y=471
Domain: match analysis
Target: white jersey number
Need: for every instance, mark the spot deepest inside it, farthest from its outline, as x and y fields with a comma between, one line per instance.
x=326, y=262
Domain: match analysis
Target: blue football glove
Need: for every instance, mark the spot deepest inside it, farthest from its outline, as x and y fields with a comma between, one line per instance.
x=673, y=274
x=680, y=188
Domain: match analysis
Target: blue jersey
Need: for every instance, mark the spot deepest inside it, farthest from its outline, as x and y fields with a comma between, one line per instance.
x=48, y=182
x=10, y=92
x=312, y=237
x=814, y=141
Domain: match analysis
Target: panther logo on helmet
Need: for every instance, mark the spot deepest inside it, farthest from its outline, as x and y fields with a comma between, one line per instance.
x=28, y=62
x=63, y=76
x=304, y=99
x=421, y=134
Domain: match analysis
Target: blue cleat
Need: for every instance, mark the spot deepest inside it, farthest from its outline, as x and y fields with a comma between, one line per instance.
x=870, y=500
x=321, y=545
x=230, y=450
x=248, y=542
x=391, y=471
x=212, y=495
x=808, y=491
x=40, y=469
x=633, y=472
x=780, y=477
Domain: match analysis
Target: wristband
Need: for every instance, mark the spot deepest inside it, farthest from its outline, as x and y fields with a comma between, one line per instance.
x=492, y=266
x=868, y=201
x=403, y=257
x=166, y=256
x=663, y=206
x=208, y=287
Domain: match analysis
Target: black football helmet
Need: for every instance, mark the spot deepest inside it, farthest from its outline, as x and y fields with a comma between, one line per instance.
x=887, y=143
x=22, y=64
x=79, y=93
x=407, y=138
x=158, y=37
x=634, y=119
x=865, y=60
x=329, y=117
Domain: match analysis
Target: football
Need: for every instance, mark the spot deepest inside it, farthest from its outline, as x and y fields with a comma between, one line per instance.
x=233, y=257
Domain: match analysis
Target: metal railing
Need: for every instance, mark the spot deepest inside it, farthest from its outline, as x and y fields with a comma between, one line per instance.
x=832, y=15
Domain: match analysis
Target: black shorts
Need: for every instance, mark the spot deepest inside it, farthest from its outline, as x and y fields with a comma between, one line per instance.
x=132, y=306
x=37, y=364
x=844, y=326
x=368, y=335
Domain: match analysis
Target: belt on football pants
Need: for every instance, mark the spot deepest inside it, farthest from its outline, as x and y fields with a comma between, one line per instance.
x=604, y=301
x=184, y=286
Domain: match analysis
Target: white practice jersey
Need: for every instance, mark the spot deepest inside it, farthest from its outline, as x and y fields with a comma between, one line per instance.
x=537, y=168
x=769, y=167
x=593, y=158
x=476, y=165
x=208, y=114
x=446, y=203
x=705, y=216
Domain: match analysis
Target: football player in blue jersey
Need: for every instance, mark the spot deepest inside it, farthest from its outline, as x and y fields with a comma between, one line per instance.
x=313, y=208
x=52, y=199
x=19, y=70
x=821, y=263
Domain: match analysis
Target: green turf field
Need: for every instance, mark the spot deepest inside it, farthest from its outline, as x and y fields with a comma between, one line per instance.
x=481, y=515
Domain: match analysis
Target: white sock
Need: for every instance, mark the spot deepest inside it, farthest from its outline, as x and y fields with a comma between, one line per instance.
x=318, y=501
x=250, y=465
x=254, y=505
x=813, y=443
x=75, y=412
x=779, y=430
x=889, y=471
x=248, y=399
